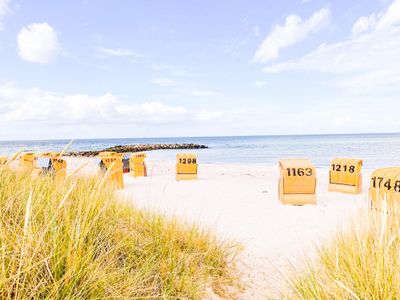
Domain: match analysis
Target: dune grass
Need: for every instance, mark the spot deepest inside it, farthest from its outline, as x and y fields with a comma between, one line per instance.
x=74, y=240
x=362, y=262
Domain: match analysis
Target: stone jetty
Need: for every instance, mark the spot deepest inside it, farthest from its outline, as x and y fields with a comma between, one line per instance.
x=136, y=148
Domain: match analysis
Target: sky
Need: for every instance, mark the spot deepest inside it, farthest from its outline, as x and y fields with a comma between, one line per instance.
x=113, y=69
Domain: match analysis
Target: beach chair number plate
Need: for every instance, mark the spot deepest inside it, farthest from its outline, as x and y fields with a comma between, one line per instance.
x=299, y=172
x=377, y=182
x=338, y=168
x=187, y=161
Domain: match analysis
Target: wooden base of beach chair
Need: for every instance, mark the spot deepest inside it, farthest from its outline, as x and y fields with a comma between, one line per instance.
x=343, y=188
x=299, y=199
x=186, y=176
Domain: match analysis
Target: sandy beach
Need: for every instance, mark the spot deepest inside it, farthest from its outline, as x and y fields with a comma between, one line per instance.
x=242, y=92
x=240, y=202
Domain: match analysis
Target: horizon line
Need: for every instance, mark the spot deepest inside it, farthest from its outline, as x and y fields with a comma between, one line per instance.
x=203, y=136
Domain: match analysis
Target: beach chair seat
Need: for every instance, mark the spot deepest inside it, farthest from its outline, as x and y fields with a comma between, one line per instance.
x=43, y=163
x=125, y=162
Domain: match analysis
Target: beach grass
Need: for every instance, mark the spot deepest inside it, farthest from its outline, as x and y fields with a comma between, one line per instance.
x=74, y=239
x=361, y=262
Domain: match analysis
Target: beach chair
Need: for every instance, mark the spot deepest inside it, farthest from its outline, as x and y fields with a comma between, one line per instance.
x=345, y=175
x=384, y=190
x=58, y=165
x=186, y=166
x=137, y=165
x=110, y=165
x=26, y=160
x=51, y=163
x=297, y=182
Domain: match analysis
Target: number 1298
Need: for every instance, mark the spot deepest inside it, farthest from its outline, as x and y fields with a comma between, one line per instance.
x=187, y=161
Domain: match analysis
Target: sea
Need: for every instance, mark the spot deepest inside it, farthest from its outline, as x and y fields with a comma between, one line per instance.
x=376, y=150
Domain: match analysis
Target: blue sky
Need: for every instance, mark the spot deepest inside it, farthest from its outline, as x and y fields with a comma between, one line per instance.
x=91, y=69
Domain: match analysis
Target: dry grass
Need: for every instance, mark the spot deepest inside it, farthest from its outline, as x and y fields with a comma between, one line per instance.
x=75, y=240
x=362, y=262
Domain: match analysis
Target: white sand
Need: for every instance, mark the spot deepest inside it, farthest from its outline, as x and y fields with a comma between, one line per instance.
x=240, y=202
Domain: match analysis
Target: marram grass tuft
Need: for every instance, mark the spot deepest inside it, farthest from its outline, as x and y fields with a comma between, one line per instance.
x=361, y=262
x=74, y=240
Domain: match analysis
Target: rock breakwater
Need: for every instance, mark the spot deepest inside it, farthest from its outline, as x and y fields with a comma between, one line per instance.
x=136, y=148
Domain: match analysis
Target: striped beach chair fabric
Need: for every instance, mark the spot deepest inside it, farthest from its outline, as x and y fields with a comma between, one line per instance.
x=43, y=162
x=125, y=162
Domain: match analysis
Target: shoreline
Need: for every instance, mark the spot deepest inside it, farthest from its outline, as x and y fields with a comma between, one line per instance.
x=366, y=170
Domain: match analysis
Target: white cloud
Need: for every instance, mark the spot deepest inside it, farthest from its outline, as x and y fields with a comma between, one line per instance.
x=163, y=82
x=103, y=52
x=4, y=10
x=364, y=24
x=35, y=113
x=38, y=43
x=390, y=17
x=293, y=31
x=378, y=21
x=38, y=106
x=369, y=60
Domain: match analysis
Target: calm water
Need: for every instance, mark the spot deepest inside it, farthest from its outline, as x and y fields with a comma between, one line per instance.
x=377, y=150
